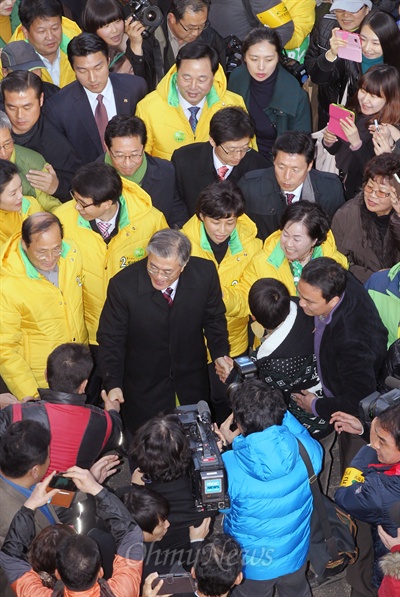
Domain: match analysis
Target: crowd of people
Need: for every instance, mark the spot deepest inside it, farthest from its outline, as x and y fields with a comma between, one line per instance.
x=163, y=213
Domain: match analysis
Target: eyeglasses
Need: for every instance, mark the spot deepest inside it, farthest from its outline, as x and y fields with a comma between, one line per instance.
x=159, y=272
x=372, y=191
x=120, y=158
x=43, y=254
x=7, y=144
x=193, y=28
x=83, y=206
x=240, y=151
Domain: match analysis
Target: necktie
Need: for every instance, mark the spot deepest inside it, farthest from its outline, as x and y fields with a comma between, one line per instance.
x=289, y=198
x=104, y=228
x=167, y=295
x=193, y=117
x=222, y=171
x=101, y=118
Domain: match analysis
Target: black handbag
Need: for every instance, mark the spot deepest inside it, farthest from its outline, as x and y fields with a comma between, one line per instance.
x=333, y=531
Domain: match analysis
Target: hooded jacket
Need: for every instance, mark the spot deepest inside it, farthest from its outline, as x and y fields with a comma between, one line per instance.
x=271, y=500
x=271, y=262
x=138, y=221
x=36, y=315
x=243, y=245
x=167, y=126
x=11, y=221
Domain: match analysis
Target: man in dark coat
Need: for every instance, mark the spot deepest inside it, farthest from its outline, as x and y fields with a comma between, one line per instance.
x=81, y=110
x=227, y=154
x=152, y=328
x=268, y=192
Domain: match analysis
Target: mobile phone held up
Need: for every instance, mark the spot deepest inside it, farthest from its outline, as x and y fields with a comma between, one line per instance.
x=352, y=49
x=67, y=490
x=336, y=113
x=175, y=583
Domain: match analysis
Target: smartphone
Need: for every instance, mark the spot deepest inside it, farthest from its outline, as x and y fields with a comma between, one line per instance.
x=352, y=50
x=336, y=113
x=67, y=490
x=175, y=583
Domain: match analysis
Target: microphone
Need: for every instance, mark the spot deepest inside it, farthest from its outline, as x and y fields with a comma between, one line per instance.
x=204, y=412
x=390, y=381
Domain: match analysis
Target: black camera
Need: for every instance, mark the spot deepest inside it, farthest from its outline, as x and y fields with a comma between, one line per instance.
x=243, y=368
x=233, y=49
x=295, y=68
x=374, y=404
x=207, y=470
x=148, y=14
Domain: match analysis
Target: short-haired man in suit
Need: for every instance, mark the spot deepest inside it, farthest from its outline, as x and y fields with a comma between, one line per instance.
x=268, y=192
x=82, y=110
x=151, y=331
x=125, y=139
x=226, y=154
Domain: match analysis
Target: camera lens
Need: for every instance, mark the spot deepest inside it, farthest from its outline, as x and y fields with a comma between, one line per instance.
x=151, y=16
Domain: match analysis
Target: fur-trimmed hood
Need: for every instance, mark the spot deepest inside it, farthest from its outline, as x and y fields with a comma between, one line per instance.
x=390, y=564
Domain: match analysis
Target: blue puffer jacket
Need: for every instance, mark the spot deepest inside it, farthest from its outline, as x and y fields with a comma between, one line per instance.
x=271, y=501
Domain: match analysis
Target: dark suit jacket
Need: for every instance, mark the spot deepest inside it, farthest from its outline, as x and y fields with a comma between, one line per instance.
x=194, y=168
x=352, y=351
x=265, y=202
x=70, y=112
x=153, y=351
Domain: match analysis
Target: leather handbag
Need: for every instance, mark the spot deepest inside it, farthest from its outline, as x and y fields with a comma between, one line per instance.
x=333, y=531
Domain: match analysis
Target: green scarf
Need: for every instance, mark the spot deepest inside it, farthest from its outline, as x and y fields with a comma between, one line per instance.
x=137, y=176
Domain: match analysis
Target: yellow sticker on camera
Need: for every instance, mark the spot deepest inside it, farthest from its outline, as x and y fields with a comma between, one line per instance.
x=351, y=475
x=275, y=17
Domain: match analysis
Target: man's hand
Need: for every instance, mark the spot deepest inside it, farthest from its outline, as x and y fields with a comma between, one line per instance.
x=387, y=540
x=39, y=497
x=83, y=479
x=147, y=590
x=345, y=422
x=304, y=400
x=223, y=366
x=45, y=180
x=224, y=432
x=112, y=400
x=200, y=533
x=6, y=399
x=105, y=467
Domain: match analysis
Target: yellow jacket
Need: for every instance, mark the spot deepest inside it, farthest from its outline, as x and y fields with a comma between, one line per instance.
x=271, y=262
x=11, y=221
x=243, y=245
x=303, y=16
x=166, y=123
x=138, y=221
x=70, y=30
x=36, y=316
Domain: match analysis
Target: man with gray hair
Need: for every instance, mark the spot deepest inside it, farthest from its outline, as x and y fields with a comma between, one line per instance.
x=157, y=316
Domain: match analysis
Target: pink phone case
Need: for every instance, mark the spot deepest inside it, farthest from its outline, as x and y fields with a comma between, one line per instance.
x=336, y=112
x=352, y=50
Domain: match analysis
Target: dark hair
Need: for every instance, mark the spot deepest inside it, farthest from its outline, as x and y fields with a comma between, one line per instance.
x=78, y=562
x=384, y=166
x=256, y=406
x=295, y=142
x=195, y=50
x=218, y=564
x=38, y=223
x=148, y=507
x=86, y=44
x=221, y=199
x=269, y=302
x=383, y=81
x=311, y=215
x=99, y=182
x=231, y=124
x=327, y=275
x=389, y=420
x=24, y=445
x=98, y=13
x=39, y=9
x=123, y=125
x=68, y=366
x=19, y=81
x=179, y=7
x=42, y=553
x=7, y=172
x=385, y=28
x=260, y=34
x=161, y=449
x=167, y=243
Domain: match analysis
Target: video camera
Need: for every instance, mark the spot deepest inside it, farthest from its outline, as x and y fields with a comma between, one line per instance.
x=295, y=68
x=374, y=404
x=148, y=14
x=207, y=471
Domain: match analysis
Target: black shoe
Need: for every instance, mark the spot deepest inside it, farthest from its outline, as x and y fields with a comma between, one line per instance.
x=316, y=581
